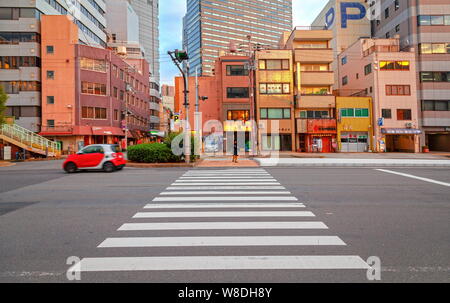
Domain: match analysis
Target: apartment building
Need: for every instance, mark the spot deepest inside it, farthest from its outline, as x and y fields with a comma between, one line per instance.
x=275, y=100
x=348, y=20
x=315, y=104
x=424, y=26
x=213, y=26
x=20, y=49
x=89, y=95
x=378, y=68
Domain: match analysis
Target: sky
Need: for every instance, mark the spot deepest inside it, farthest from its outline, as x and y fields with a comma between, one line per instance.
x=171, y=13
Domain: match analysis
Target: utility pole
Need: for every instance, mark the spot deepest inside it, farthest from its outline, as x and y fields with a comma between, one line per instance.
x=180, y=56
x=128, y=88
x=197, y=115
x=251, y=68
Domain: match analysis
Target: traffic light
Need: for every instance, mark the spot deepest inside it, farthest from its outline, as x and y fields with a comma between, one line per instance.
x=181, y=55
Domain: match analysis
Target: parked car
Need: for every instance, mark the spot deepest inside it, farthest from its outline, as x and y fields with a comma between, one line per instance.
x=106, y=157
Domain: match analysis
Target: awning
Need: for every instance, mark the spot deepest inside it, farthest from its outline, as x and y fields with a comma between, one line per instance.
x=107, y=131
x=400, y=131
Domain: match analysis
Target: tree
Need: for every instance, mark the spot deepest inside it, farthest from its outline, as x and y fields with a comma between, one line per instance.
x=3, y=98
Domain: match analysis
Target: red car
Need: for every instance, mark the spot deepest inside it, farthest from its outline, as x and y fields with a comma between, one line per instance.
x=107, y=157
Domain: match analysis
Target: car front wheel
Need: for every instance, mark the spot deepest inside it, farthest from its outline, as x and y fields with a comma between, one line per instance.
x=109, y=167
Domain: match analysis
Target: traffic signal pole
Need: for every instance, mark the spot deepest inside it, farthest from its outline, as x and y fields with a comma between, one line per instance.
x=181, y=56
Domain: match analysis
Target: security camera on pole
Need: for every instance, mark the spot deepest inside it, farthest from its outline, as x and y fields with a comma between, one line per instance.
x=179, y=56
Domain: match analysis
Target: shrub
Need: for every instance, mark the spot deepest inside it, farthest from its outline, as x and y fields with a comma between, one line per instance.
x=152, y=153
x=168, y=142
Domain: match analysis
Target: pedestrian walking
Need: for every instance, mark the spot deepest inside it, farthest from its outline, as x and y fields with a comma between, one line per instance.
x=235, y=151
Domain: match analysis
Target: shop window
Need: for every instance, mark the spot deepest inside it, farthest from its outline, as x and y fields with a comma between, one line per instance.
x=236, y=115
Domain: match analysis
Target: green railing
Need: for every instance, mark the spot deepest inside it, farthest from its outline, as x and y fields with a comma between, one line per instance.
x=33, y=141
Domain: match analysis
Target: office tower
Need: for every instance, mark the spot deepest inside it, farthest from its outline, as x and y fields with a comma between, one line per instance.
x=148, y=12
x=20, y=48
x=211, y=27
x=425, y=27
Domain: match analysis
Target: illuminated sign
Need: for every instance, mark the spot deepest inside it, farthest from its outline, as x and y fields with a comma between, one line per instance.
x=345, y=16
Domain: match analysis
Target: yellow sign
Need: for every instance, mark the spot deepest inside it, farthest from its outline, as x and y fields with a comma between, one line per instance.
x=238, y=126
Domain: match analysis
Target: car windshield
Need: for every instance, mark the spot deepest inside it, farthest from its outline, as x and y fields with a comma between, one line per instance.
x=116, y=148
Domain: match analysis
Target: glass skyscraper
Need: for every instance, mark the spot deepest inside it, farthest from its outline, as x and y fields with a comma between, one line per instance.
x=210, y=25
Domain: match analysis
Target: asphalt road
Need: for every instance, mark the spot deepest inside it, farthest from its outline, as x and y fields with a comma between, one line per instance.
x=47, y=216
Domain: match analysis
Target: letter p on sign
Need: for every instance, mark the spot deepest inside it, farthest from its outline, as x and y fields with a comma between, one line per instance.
x=345, y=6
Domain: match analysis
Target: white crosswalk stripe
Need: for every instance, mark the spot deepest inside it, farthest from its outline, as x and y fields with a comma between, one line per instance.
x=249, y=202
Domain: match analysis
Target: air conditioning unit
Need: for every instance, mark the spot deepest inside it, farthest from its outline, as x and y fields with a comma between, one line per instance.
x=122, y=50
x=409, y=125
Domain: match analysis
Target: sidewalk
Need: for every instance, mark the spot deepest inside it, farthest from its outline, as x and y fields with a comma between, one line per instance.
x=6, y=163
x=226, y=162
x=423, y=156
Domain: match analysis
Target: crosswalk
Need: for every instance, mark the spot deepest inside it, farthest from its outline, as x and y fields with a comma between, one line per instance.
x=248, y=203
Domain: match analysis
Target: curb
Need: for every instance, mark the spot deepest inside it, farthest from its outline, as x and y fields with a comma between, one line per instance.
x=6, y=164
x=357, y=165
x=159, y=165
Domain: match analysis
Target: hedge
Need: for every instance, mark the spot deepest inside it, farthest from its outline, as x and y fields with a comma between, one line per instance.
x=152, y=153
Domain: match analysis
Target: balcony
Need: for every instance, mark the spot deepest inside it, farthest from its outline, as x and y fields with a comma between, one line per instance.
x=313, y=55
x=317, y=78
x=316, y=101
x=316, y=126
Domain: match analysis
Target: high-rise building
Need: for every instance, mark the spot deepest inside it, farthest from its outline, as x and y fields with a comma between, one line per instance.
x=148, y=12
x=425, y=27
x=20, y=49
x=212, y=27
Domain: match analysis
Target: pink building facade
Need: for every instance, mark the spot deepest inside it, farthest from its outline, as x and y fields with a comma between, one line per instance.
x=377, y=68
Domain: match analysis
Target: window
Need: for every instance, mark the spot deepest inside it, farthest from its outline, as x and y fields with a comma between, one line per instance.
x=344, y=60
x=435, y=48
x=237, y=70
x=344, y=80
x=236, y=115
x=275, y=113
x=438, y=20
x=93, y=88
x=435, y=76
x=367, y=69
x=50, y=49
x=50, y=123
x=50, y=74
x=50, y=99
x=424, y=20
x=306, y=90
x=116, y=114
x=14, y=87
x=388, y=35
x=386, y=13
x=93, y=65
x=314, y=114
x=398, y=90
x=237, y=92
x=386, y=113
x=397, y=28
x=274, y=64
x=314, y=67
x=274, y=88
x=436, y=105
x=397, y=4
x=354, y=112
x=403, y=114
x=313, y=44
x=115, y=92
x=394, y=65
x=97, y=113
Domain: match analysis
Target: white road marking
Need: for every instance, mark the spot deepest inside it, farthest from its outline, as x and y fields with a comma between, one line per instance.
x=225, y=187
x=222, y=241
x=227, y=177
x=222, y=225
x=172, y=193
x=225, y=180
x=414, y=177
x=224, y=183
x=218, y=263
x=226, y=174
x=206, y=214
x=223, y=205
x=275, y=198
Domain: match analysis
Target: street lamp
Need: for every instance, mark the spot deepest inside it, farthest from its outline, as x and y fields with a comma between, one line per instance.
x=179, y=56
x=128, y=88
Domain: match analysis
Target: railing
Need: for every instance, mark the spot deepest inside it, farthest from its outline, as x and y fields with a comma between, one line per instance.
x=31, y=140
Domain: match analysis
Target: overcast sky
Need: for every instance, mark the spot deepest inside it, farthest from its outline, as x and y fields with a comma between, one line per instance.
x=170, y=26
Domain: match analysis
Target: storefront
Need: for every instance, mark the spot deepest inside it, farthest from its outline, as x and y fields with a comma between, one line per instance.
x=438, y=140
x=401, y=140
x=354, y=142
x=317, y=135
